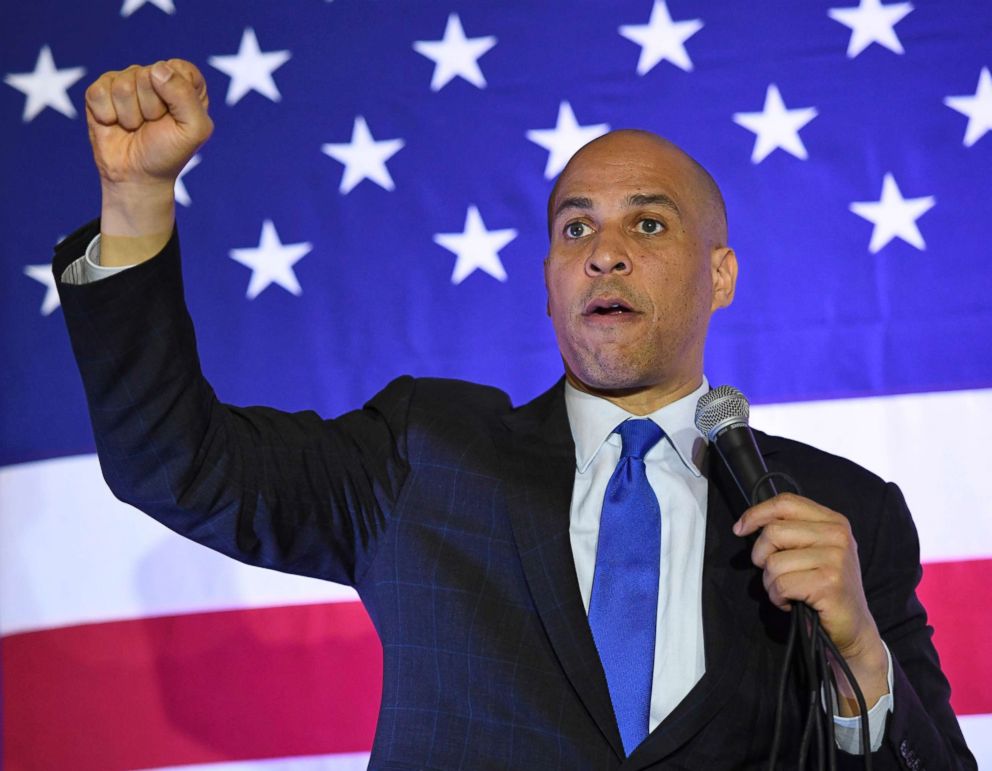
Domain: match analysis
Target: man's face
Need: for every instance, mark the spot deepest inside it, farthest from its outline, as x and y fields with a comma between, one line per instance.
x=636, y=267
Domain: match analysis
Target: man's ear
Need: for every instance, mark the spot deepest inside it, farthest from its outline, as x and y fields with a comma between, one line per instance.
x=723, y=262
x=547, y=291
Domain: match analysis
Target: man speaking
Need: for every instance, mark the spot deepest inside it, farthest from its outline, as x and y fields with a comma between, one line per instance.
x=575, y=583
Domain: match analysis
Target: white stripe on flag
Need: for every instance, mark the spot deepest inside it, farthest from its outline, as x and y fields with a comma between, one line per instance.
x=70, y=553
x=927, y=443
x=977, y=731
x=351, y=762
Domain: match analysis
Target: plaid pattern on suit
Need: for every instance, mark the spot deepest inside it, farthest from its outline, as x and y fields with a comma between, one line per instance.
x=448, y=510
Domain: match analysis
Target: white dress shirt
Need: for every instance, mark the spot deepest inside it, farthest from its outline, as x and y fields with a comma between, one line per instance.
x=673, y=473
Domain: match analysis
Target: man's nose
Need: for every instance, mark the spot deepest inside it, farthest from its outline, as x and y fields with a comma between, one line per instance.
x=609, y=255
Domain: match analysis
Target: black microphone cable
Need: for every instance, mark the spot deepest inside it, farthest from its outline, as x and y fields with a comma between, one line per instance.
x=722, y=416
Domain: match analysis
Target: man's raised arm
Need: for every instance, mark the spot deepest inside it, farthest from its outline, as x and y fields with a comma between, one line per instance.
x=287, y=491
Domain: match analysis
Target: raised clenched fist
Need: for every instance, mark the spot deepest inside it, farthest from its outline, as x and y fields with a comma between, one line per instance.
x=146, y=122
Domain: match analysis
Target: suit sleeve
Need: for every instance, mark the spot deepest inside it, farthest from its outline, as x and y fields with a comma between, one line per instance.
x=922, y=732
x=291, y=492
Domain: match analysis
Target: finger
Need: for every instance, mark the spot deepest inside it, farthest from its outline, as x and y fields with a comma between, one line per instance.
x=182, y=99
x=151, y=104
x=124, y=93
x=98, y=101
x=801, y=560
x=781, y=535
x=190, y=71
x=786, y=506
x=823, y=588
x=785, y=589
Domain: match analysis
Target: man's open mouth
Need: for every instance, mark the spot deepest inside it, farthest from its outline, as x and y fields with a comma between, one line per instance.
x=607, y=306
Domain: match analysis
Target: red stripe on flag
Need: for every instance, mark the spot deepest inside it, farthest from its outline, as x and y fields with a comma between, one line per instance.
x=297, y=680
x=954, y=595
x=198, y=688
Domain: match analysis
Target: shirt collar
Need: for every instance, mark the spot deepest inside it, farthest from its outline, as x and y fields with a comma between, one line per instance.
x=593, y=418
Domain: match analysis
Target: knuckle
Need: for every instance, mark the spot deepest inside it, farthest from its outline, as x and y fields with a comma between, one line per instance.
x=785, y=501
x=773, y=563
x=186, y=68
x=774, y=530
x=101, y=86
x=843, y=537
x=122, y=88
x=95, y=92
x=766, y=580
x=777, y=589
x=831, y=578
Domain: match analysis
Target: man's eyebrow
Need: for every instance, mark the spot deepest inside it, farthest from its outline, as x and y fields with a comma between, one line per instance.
x=656, y=199
x=638, y=199
x=574, y=202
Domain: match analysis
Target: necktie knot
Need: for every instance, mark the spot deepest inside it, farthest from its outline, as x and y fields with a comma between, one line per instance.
x=638, y=437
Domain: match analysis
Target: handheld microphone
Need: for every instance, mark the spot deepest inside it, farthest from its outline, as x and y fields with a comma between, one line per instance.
x=721, y=416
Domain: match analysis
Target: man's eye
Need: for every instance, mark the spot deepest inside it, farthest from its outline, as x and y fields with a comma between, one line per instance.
x=650, y=226
x=576, y=229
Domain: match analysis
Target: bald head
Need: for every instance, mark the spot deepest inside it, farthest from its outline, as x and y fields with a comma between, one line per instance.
x=644, y=147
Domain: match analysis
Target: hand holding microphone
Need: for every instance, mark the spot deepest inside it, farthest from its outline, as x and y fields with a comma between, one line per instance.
x=807, y=552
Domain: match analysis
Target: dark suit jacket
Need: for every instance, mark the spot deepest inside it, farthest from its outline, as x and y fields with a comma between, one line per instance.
x=448, y=510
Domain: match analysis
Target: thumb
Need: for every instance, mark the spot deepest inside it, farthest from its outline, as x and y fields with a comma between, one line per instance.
x=179, y=96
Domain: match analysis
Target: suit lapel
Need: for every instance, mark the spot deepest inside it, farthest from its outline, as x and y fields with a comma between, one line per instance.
x=540, y=454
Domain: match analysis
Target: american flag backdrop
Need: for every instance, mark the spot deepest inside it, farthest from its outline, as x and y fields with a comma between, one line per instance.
x=371, y=204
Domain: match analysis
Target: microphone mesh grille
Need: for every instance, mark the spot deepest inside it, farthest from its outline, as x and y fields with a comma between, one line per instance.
x=722, y=406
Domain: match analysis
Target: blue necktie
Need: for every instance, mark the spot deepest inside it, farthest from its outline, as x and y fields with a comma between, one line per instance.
x=624, y=605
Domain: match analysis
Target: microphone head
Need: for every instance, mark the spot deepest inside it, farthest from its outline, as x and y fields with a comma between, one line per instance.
x=719, y=409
